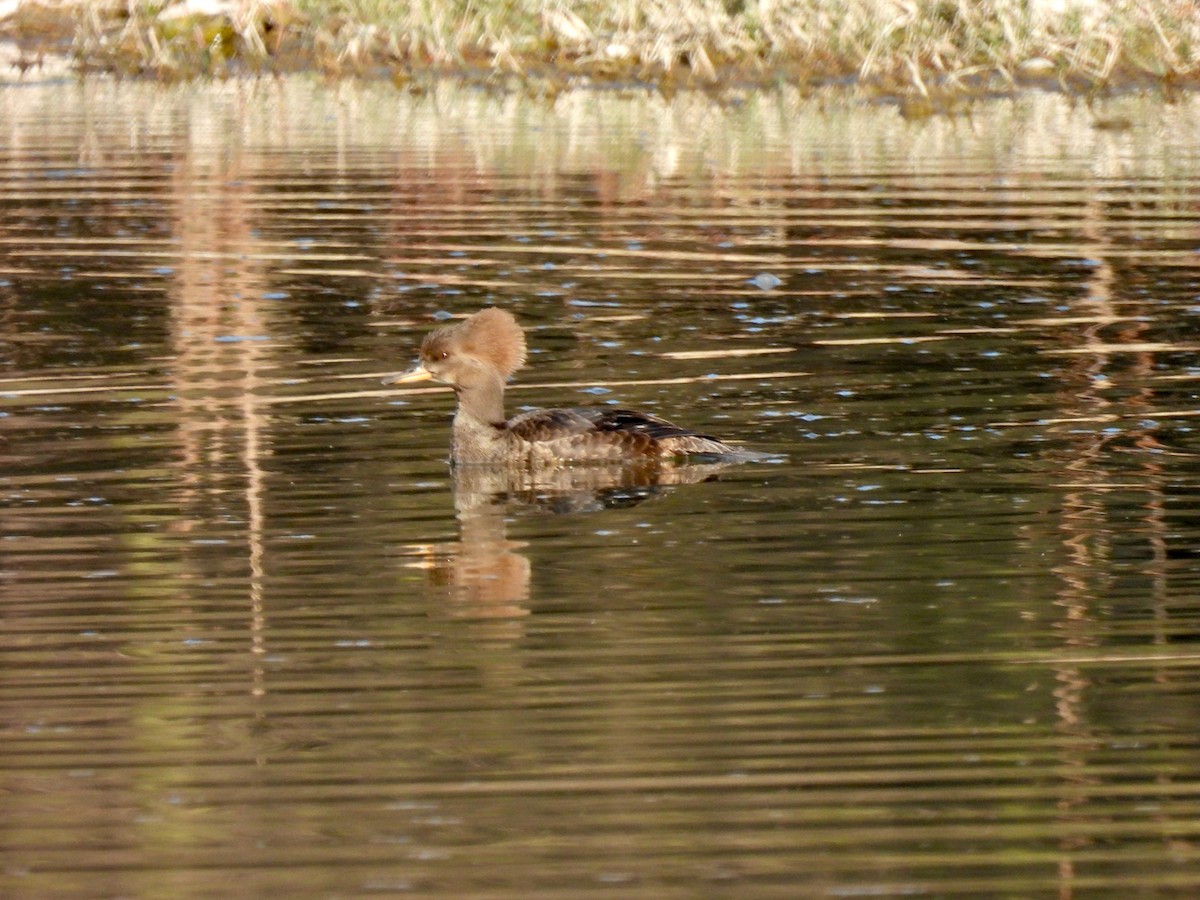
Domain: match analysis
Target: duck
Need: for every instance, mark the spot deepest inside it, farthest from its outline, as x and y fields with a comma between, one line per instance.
x=477, y=356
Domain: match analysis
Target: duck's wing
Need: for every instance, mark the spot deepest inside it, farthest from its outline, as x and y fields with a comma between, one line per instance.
x=620, y=430
x=551, y=424
x=540, y=425
x=627, y=421
x=667, y=438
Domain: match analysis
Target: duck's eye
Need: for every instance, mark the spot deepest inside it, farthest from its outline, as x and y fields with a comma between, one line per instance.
x=443, y=355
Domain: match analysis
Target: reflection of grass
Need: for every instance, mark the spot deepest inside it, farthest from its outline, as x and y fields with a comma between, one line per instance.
x=931, y=49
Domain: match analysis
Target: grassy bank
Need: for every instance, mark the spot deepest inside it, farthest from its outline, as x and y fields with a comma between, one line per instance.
x=931, y=49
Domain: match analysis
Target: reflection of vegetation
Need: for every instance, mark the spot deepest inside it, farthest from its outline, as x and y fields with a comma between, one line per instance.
x=952, y=640
x=926, y=48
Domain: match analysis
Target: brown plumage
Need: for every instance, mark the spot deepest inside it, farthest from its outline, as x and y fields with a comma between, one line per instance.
x=491, y=334
x=476, y=357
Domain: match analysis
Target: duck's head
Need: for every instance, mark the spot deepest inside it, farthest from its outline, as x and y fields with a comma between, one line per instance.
x=475, y=351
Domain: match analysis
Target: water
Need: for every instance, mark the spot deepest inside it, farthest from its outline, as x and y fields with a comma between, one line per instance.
x=258, y=640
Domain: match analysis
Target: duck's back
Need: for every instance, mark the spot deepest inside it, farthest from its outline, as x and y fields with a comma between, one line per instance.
x=604, y=433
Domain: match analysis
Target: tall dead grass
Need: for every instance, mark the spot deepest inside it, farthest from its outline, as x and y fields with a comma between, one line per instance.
x=921, y=48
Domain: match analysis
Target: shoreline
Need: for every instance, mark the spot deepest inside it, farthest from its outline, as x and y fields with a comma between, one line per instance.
x=928, y=56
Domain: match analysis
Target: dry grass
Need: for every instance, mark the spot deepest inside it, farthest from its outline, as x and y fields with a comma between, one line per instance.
x=928, y=50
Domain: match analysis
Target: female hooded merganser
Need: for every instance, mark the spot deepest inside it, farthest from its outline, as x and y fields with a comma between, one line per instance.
x=477, y=356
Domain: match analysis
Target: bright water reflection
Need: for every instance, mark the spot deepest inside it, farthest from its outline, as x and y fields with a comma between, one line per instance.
x=258, y=638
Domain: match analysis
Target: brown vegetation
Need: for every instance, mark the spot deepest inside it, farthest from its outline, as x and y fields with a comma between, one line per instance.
x=931, y=49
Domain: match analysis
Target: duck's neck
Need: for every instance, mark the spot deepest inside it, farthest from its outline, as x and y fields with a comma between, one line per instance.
x=480, y=410
x=483, y=400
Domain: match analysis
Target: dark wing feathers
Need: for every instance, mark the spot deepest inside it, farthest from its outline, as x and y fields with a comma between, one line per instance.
x=635, y=432
x=549, y=424
x=630, y=422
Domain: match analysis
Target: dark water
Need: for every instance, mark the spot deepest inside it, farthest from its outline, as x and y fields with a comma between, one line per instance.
x=258, y=641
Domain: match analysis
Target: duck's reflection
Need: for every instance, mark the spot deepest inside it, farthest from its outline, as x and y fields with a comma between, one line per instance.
x=485, y=576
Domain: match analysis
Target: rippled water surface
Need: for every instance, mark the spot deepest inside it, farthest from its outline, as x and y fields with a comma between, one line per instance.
x=259, y=640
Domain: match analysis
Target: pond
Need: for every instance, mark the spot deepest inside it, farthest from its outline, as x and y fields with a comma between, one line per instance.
x=259, y=638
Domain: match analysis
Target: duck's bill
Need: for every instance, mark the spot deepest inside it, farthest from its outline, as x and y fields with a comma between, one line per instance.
x=416, y=373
